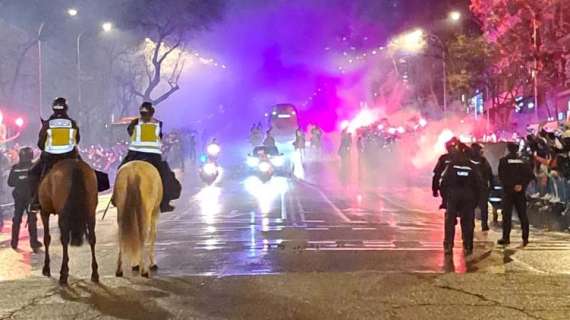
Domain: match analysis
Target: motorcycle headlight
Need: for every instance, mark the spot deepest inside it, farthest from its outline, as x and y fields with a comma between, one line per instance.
x=210, y=169
x=264, y=166
x=278, y=161
x=213, y=149
x=252, y=161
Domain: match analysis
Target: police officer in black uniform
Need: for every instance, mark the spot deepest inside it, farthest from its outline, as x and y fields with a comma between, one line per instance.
x=515, y=175
x=442, y=163
x=486, y=173
x=462, y=190
x=18, y=179
x=58, y=139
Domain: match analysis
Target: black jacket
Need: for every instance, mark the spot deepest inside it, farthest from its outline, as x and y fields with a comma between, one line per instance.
x=45, y=126
x=513, y=170
x=442, y=163
x=484, y=169
x=462, y=176
x=19, y=180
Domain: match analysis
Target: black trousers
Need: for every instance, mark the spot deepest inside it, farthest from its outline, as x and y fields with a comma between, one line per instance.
x=47, y=161
x=460, y=204
x=163, y=170
x=43, y=166
x=20, y=206
x=483, y=205
x=518, y=201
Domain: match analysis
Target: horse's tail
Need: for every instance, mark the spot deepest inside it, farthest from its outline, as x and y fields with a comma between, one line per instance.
x=131, y=221
x=74, y=213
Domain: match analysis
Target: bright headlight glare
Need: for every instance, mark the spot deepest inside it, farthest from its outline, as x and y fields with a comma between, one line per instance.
x=213, y=149
x=252, y=161
x=210, y=169
x=278, y=161
x=264, y=167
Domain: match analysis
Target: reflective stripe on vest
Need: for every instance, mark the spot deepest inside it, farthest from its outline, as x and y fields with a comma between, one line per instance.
x=60, y=137
x=146, y=138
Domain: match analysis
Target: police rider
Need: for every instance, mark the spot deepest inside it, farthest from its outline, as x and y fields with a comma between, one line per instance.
x=146, y=145
x=58, y=139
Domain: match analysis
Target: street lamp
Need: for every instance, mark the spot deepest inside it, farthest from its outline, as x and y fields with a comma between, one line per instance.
x=455, y=16
x=107, y=26
x=72, y=12
x=411, y=42
x=415, y=42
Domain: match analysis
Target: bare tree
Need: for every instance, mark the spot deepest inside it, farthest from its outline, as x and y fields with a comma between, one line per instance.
x=167, y=26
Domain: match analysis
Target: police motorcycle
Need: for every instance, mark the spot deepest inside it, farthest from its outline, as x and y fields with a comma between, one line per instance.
x=209, y=169
x=265, y=162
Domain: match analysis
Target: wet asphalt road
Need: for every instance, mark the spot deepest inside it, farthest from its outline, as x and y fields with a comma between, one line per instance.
x=240, y=226
x=329, y=246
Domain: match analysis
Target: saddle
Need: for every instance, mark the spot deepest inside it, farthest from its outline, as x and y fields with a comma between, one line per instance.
x=103, y=183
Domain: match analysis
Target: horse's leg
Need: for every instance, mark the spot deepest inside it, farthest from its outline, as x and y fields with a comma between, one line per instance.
x=153, y=266
x=92, y=240
x=47, y=239
x=64, y=272
x=142, y=262
x=119, y=272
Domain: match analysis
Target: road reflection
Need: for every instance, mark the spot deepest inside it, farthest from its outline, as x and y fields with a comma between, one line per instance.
x=266, y=193
x=210, y=205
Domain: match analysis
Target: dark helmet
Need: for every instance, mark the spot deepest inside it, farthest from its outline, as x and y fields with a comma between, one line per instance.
x=464, y=148
x=146, y=108
x=512, y=147
x=59, y=105
x=451, y=144
x=26, y=154
x=476, y=149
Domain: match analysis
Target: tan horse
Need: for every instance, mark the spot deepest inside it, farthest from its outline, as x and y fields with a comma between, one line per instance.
x=137, y=195
x=69, y=190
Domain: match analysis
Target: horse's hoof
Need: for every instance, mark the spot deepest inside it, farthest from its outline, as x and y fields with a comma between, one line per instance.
x=119, y=274
x=46, y=272
x=154, y=268
x=95, y=278
x=145, y=275
x=136, y=269
x=63, y=281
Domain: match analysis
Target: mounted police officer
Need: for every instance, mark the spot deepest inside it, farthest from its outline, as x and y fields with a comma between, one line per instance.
x=58, y=139
x=515, y=175
x=462, y=189
x=18, y=179
x=146, y=145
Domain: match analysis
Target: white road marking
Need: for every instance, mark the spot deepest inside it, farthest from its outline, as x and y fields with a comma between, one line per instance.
x=336, y=210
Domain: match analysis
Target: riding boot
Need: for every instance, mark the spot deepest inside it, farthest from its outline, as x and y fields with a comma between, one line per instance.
x=33, y=231
x=34, y=184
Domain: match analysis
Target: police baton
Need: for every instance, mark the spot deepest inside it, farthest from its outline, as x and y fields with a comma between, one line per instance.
x=107, y=209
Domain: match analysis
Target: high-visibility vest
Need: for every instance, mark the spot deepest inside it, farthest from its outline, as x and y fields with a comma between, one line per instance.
x=61, y=136
x=146, y=138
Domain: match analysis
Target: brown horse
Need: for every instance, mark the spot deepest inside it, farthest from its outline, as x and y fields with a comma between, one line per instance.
x=137, y=196
x=69, y=190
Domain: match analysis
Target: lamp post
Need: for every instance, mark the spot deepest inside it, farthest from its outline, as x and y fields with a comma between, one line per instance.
x=415, y=42
x=40, y=75
x=106, y=27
